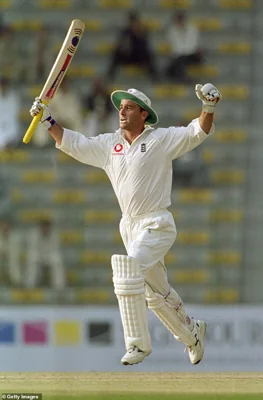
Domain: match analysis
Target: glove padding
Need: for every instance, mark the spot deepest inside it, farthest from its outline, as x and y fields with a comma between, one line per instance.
x=209, y=95
x=39, y=107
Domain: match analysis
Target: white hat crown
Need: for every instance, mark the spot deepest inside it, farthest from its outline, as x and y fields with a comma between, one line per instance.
x=140, y=96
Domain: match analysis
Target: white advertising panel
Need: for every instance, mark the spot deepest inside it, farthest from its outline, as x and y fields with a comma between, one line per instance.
x=90, y=339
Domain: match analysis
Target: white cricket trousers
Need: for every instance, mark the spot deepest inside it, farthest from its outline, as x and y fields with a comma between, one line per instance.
x=148, y=237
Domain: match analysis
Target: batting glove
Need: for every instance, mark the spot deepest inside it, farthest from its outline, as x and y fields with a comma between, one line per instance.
x=46, y=118
x=209, y=95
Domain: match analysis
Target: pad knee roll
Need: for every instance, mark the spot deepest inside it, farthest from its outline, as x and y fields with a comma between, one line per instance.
x=127, y=276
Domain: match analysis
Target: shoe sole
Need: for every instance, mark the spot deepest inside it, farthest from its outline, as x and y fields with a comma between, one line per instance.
x=202, y=335
x=126, y=363
x=134, y=363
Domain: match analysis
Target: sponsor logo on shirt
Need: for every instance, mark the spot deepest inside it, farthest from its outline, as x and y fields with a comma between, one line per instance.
x=118, y=150
x=143, y=147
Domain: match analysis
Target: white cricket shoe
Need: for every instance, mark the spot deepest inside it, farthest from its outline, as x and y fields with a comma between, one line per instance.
x=134, y=356
x=196, y=351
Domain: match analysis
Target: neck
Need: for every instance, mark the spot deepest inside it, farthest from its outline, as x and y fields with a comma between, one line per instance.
x=130, y=136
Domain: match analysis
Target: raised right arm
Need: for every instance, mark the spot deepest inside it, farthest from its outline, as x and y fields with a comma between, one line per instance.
x=92, y=151
x=55, y=130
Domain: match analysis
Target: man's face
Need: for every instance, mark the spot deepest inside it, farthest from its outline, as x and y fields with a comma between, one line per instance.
x=131, y=115
x=179, y=19
x=45, y=228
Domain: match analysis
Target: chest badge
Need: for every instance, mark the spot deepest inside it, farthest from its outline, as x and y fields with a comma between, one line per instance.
x=143, y=147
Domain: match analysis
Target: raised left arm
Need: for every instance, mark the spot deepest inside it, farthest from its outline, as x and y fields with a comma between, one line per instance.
x=206, y=121
x=210, y=96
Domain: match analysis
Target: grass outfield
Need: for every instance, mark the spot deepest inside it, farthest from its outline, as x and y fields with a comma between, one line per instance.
x=136, y=386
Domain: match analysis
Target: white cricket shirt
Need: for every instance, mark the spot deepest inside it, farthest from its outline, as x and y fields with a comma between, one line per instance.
x=140, y=173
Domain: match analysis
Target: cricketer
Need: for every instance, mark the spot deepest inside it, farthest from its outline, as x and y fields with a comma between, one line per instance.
x=138, y=161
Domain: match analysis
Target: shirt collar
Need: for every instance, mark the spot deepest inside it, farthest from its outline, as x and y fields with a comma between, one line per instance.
x=146, y=129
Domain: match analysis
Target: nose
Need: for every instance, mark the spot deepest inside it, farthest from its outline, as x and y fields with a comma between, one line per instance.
x=122, y=111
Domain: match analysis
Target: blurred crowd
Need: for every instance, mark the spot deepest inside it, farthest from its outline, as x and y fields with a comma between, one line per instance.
x=30, y=259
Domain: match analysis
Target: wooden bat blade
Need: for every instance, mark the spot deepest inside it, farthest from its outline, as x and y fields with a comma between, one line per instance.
x=63, y=60
x=58, y=70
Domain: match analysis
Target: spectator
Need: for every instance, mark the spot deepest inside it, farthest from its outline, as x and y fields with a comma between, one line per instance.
x=10, y=253
x=1, y=21
x=69, y=114
x=36, y=55
x=133, y=48
x=44, y=254
x=43, y=55
x=183, y=39
x=9, y=115
x=6, y=189
x=100, y=116
x=9, y=55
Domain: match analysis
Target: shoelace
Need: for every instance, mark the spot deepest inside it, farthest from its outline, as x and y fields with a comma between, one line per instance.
x=135, y=348
x=131, y=349
x=191, y=347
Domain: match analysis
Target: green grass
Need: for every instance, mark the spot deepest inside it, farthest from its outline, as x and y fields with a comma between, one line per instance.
x=136, y=386
x=176, y=396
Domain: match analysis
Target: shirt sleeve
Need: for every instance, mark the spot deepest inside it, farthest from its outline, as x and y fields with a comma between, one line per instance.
x=88, y=150
x=177, y=141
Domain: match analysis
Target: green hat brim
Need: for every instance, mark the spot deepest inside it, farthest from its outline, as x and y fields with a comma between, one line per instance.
x=119, y=95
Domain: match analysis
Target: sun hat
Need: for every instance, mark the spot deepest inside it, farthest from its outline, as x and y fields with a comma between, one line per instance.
x=139, y=98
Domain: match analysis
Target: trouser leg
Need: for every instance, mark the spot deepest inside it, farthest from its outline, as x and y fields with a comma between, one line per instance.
x=57, y=275
x=32, y=275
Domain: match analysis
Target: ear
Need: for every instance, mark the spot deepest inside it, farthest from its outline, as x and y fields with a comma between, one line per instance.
x=145, y=114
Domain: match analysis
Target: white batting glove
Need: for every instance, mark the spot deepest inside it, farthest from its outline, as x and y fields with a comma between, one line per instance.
x=209, y=95
x=46, y=118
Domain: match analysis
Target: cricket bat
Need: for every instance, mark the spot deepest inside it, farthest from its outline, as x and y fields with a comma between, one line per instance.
x=58, y=70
